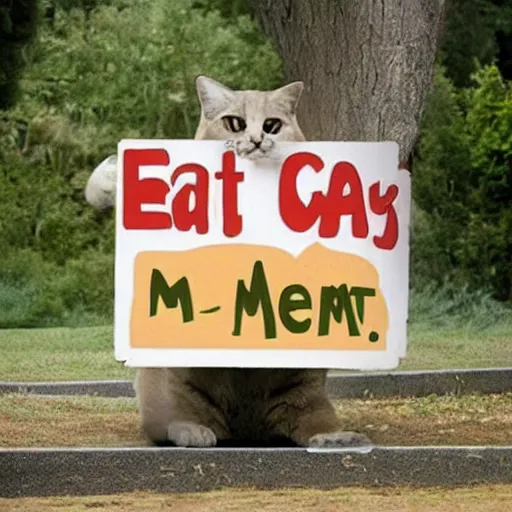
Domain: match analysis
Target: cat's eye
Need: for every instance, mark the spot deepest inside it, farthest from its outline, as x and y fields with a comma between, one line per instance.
x=272, y=125
x=233, y=124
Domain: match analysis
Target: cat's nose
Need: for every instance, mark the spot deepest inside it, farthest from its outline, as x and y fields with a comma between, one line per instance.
x=255, y=141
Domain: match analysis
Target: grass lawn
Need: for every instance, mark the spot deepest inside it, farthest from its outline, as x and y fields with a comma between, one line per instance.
x=31, y=420
x=429, y=348
x=495, y=498
x=87, y=353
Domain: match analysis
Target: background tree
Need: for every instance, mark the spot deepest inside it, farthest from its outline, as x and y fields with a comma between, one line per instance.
x=102, y=70
x=367, y=66
x=463, y=185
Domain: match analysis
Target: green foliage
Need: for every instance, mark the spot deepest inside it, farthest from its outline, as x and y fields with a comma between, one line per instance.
x=454, y=306
x=17, y=30
x=35, y=292
x=471, y=33
x=228, y=8
x=489, y=126
x=463, y=185
x=101, y=71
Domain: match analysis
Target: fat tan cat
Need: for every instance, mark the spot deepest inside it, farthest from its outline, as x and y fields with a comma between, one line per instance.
x=234, y=406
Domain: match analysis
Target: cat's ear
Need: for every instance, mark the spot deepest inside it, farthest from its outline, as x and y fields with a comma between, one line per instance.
x=289, y=95
x=214, y=97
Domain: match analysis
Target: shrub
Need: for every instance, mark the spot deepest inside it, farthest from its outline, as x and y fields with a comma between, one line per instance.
x=463, y=185
x=102, y=70
x=35, y=292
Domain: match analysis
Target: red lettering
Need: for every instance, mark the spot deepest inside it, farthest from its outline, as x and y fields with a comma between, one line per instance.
x=384, y=205
x=184, y=218
x=150, y=190
x=337, y=204
x=230, y=180
x=295, y=214
x=330, y=207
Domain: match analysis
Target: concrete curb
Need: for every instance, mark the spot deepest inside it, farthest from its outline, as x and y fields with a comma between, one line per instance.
x=58, y=472
x=357, y=385
x=107, y=388
x=421, y=383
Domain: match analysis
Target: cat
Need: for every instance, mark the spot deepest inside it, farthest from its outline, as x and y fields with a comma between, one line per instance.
x=203, y=407
x=224, y=116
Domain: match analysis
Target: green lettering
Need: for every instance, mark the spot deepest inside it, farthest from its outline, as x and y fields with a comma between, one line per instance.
x=335, y=301
x=287, y=305
x=250, y=300
x=179, y=292
x=360, y=293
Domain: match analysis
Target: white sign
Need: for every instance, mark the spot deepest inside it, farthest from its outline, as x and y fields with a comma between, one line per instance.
x=298, y=263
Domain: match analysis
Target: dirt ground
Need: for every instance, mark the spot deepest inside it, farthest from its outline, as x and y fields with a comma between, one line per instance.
x=28, y=421
x=476, y=499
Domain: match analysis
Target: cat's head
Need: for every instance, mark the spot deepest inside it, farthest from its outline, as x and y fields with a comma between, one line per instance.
x=253, y=120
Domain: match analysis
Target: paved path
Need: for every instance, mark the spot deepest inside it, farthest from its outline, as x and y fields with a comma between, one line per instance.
x=55, y=472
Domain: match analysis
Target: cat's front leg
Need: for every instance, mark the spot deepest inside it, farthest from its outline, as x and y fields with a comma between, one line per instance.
x=318, y=426
x=184, y=433
x=243, y=149
x=265, y=153
x=339, y=439
x=100, y=190
x=171, y=413
x=230, y=145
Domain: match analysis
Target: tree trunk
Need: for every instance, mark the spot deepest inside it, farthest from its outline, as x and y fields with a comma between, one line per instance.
x=366, y=64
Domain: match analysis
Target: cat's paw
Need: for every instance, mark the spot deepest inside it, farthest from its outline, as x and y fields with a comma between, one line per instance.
x=191, y=434
x=262, y=152
x=100, y=190
x=230, y=145
x=340, y=439
x=241, y=148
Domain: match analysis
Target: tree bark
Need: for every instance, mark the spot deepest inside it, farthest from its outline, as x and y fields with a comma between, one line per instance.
x=366, y=64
